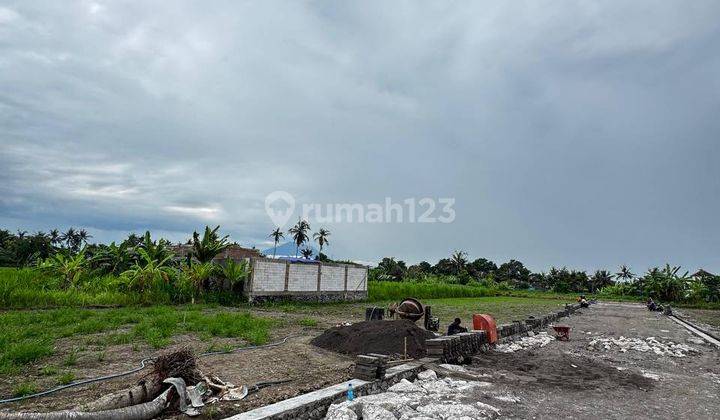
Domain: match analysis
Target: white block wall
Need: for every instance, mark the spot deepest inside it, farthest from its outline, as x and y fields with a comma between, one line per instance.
x=303, y=277
x=268, y=276
x=357, y=279
x=333, y=278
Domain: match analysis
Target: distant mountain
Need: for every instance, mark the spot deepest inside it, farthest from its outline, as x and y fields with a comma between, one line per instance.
x=287, y=250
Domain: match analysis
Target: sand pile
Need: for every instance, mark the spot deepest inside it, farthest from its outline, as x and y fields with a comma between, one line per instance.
x=385, y=337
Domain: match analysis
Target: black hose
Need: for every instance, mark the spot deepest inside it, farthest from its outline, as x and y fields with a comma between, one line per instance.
x=260, y=385
x=143, y=364
x=83, y=382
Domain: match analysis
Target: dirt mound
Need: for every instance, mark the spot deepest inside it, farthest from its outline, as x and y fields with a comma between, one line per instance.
x=561, y=370
x=385, y=337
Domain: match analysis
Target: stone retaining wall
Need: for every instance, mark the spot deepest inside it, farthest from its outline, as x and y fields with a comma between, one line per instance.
x=314, y=405
x=456, y=348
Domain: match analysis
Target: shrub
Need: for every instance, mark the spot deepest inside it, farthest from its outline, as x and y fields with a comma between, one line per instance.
x=66, y=378
x=236, y=273
x=24, y=389
x=148, y=272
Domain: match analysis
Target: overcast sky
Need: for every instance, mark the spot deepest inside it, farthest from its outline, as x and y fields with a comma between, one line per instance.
x=584, y=134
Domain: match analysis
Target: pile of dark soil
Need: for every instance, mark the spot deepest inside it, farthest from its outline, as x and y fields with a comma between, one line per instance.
x=384, y=337
x=558, y=369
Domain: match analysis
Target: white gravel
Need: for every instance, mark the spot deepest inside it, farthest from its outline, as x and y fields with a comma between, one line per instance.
x=540, y=339
x=428, y=398
x=662, y=347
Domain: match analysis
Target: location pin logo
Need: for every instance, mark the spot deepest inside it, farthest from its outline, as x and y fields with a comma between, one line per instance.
x=280, y=206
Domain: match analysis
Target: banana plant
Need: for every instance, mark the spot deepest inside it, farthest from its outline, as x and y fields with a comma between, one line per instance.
x=198, y=274
x=70, y=267
x=156, y=250
x=148, y=271
x=235, y=272
x=113, y=258
x=205, y=249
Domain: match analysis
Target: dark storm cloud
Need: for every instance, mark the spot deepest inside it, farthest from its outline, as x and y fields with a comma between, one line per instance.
x=581, y=134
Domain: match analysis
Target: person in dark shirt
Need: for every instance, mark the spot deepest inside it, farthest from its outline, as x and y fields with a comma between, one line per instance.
x=455, y=327
x=651, y=305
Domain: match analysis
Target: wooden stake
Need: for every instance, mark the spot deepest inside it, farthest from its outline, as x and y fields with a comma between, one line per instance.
x=405, y=348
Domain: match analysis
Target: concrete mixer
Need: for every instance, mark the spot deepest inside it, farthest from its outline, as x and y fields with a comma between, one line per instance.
x=408, y=308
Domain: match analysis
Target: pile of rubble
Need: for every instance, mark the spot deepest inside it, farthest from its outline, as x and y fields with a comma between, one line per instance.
x=540, y=339
x=425, y=399
x=650, y=344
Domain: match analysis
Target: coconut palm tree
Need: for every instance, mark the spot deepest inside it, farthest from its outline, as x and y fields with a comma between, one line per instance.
x=299, y=233
x=71, y=239
x=321, y=237
x=459, y=260
x=276, y=235
x=83, y=235
x=54, y=237
x=625, y=273
x=600, y=279
x=306, y=253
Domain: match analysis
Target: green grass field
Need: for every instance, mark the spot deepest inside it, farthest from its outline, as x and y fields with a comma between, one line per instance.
x=49, y=334
x=31, y=289
x=28, y=336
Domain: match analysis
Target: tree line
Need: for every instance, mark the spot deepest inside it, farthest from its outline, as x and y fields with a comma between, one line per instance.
x=667, y=283
x=137, y=264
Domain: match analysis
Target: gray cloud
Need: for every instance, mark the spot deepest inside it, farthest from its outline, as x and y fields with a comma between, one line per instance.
x=577, y=134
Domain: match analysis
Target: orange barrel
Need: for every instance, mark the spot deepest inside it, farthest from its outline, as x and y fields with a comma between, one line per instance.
x=486, y=323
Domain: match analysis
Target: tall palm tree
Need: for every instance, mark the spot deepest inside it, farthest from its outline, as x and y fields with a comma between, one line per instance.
x=71, y=239
x=83, y=235
x=600, y=279
x=276, y=235
x=625, y=273
x=54, y=237
x=459, y=260
x=299, y=233
x=321, y=237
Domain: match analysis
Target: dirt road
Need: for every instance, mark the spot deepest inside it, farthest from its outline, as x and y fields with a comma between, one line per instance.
x=621, y=362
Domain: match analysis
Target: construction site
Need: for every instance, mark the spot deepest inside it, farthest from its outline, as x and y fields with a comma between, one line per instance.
x=398, y=362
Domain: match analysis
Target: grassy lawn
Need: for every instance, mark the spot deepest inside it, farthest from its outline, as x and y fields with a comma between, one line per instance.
x=502, y=308
x=28, y=336
x=34, y=343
